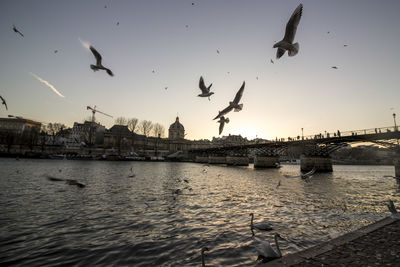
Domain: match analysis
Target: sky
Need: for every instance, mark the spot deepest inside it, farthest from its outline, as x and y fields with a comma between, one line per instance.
x=179, y=41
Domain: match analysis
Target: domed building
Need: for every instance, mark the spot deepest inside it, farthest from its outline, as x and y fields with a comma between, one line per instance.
x=176, y=130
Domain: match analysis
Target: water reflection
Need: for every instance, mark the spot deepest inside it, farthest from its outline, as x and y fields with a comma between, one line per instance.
x=169, y=211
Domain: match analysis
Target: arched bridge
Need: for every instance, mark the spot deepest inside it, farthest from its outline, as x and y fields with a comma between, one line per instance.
x=315, y=150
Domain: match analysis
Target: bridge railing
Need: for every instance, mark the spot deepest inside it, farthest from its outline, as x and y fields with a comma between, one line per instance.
x=340, y=134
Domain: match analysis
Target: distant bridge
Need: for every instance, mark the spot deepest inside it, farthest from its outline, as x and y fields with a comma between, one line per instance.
x=315, y=149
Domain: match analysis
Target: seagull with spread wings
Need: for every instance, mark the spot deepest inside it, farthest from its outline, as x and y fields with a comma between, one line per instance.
x=234, y=104
x=98, y=65
x=205, y=91
x=17, y=31
x=222, y=121
x=3, y=102
x=287, y=42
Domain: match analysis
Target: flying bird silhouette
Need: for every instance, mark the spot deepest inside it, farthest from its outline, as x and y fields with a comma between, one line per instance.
x=205, y=91
x=272, y=61
x=55, y=51
x=234, y=104
x=17, y=31
x=334, y=67
x=98, y=65
x=222, y=122
x=3, y=102
x=287, y=42
x=217, y=51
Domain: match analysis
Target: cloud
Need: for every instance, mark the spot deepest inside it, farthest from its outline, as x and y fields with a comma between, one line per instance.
x=85, y=44
x=46, y=83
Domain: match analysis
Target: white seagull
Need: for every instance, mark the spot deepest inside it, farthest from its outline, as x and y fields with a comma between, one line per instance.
x=98, y=65
x=205, y=91
x=234, y=104
x=222, y=122
x=287, y=42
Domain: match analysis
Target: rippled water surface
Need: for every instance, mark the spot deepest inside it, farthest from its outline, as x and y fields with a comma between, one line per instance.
x=145, y=220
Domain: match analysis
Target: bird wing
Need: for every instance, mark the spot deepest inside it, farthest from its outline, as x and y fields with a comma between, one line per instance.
x=310, y=172
x=221, y=126
x=280, y=52
x=109, y=72
x=223, y=112
x=96, y=55
x=4, y=102
x=239, y=94
x=265, y=249
x=202, y=86
x=291, y=26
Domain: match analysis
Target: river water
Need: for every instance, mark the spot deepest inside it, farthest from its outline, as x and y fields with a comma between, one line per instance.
x=157, y=218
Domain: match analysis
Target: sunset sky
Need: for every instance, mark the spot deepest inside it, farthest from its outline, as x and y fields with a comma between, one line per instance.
x=179, y=41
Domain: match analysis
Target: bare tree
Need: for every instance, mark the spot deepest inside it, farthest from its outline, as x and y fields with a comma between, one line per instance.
x=158, y=130
x=53, y=128
x=120, y=121
x=145, y=127
x=132, y=124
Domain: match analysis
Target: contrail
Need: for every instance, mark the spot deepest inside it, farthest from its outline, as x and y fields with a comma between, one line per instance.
x=84, y=44
x=46, y=83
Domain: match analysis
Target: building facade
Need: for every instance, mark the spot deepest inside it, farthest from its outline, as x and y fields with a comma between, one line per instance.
x=176, y=130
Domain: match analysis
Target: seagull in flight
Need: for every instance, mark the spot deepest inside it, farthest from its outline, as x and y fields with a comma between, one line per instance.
x=287, y=42
x=205, y=91
x=222, y=122
x=234, y=104
x=3, y=102
x=98, y=65
x=17, y=31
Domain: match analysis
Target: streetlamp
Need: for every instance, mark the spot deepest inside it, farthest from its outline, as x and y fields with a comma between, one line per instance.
x=302, y=135
x=394, y=119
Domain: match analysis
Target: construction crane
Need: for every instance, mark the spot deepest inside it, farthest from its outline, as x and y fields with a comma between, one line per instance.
x=94, y=110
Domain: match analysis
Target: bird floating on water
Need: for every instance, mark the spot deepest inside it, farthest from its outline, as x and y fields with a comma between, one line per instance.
x=266, y=252
x=98, y=65
x=287, y=42
x=17, y=31
x=234, y=104
x=392, y=209
x=205, y=91
x=264, y=226
x=202, y=256
x=3, y=101
x=222, y=121
x=303, y=176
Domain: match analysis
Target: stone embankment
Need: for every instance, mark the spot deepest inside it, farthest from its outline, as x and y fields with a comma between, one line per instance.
x=377, y=244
